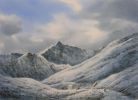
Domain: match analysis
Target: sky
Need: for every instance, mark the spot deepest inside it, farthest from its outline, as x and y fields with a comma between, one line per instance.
x=34, y=25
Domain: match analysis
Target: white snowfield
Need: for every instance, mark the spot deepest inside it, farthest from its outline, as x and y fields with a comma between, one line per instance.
x=110, y=75
x=29, y=89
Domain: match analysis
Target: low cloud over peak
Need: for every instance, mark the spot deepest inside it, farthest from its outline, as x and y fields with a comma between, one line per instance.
x=84, y=23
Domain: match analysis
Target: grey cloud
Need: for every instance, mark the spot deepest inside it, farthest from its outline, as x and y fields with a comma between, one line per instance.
x=10, y=24
x=117, y=17
x=73, y=31
x=23, y=44
x=125, y=9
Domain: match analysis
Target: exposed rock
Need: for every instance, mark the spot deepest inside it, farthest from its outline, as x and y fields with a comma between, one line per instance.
x=29, y=65
x=64, y=54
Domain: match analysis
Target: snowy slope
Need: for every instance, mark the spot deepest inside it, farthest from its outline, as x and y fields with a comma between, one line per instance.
x=64, y=54
x=30, y=65
x=116, y=58
x=29, y=89
x=125, y=82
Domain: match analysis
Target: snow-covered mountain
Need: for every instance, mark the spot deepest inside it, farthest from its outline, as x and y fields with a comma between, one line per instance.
x=29, y=65
x=112, y=74
x=7, y=61
x=64, y=54
x=5, y=58
x=115, y=67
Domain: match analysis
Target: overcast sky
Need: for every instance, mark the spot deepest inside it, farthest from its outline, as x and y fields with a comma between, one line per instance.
x=33, y=25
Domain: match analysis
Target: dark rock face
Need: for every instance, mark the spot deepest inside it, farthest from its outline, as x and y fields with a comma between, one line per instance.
x=64, y=54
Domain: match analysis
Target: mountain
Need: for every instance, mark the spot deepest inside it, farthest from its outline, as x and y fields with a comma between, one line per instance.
x=115, y=68
x=9, y=57
x=64, y=54
x=16, y=55
x=6, y=62
x=112, y=74
x=29, y=65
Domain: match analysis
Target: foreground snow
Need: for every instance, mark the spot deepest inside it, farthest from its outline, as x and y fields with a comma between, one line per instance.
x=29, y=89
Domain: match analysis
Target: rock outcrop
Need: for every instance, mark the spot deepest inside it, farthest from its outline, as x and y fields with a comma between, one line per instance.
x=64, y=54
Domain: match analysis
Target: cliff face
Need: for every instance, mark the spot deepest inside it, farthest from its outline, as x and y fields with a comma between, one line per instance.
x=64, y=54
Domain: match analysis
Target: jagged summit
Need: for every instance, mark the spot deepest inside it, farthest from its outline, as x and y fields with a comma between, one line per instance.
x=30, y=56
x=65, y=54
x=59, y=44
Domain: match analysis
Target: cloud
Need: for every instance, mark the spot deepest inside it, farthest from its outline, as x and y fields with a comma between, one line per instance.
x=110, y=9
x=33, y=10
x=83, y=23
x=72, y=31
x=117, y=17
x=10, y=24
x=74, y=4
x=23, y=43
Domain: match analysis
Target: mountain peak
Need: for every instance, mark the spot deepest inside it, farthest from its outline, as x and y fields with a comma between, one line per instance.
x=30, y=54
x=59, y=44
x=65, y=54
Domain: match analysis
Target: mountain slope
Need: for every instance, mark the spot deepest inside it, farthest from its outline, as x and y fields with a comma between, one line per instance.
x=115, y=59
x=30, y=65
x=64, y=54
x=4, y=59
x=125, y=82
x=7, y=61
x=35, y=66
